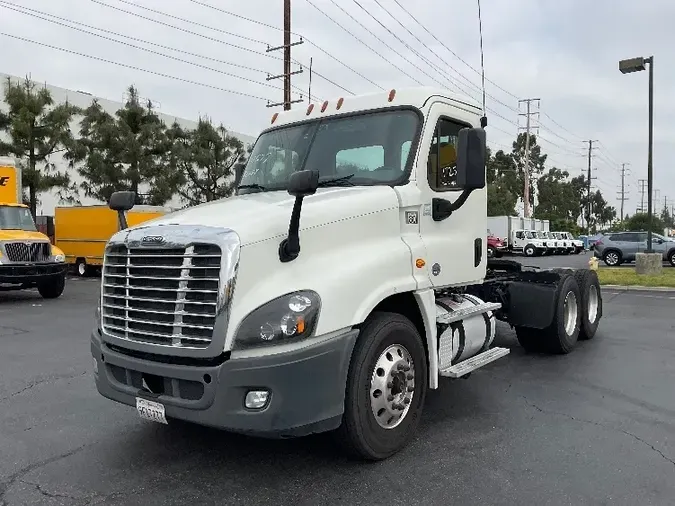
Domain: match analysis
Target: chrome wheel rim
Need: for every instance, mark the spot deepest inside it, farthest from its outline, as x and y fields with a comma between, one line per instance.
x=593, y=303
x=392, y=386
x=612, y=258
x=571, y=311
x=81, y=267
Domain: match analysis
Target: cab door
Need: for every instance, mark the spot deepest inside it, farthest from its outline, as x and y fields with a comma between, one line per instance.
x=456, y=246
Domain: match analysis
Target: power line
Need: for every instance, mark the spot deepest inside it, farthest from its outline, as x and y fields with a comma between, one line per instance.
x=451, y=51
x=230, y=13
x=468, y=81
x=126, y=36
x=364, y=43
x=213, y=39
x=143, y=48
x=132, y=67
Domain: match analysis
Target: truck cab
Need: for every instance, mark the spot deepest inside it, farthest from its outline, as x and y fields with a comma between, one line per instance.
x=346, y=278
x=527, y=242
x=27, y=257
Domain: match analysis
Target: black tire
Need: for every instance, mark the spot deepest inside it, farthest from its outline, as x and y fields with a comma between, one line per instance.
x=530, y=339
x=612, y=258
x=557, y=339
x=591, y=297
x=529, y=250
x=498, y=254
x=491, y=252
x=53, y=288
x=671, y=258
x=360, y=433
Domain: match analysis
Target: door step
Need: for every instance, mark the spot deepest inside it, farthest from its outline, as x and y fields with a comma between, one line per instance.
x=473, y=363
x=460, y=314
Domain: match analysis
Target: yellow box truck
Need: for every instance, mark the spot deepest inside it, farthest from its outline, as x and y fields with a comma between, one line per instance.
x=82, y=232
x=27, y=258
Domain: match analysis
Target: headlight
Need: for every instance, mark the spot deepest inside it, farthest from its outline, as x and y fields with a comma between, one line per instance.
x=59, y=258
x=290, y=317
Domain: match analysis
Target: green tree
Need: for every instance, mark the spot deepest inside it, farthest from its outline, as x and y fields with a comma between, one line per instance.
x=666, y=218
x=557, y=198
x=37, y=129
x=640, y=221
x=206, y=158
x=125, y=152
x=501, y=200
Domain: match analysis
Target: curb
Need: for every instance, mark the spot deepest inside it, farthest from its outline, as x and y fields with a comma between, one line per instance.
x=637, y=288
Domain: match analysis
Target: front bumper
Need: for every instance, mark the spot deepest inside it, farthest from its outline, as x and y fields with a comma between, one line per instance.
x=16, y=273
x=307, y=387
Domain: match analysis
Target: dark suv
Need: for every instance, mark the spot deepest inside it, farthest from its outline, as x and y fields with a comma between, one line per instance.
x=620, y=247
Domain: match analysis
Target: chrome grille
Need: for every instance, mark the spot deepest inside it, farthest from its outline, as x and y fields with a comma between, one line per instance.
x=28, y=251
x=164, y=296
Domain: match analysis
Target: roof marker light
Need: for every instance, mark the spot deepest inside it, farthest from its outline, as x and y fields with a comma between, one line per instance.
x=309, y=109
x=339, y=103
x=324, y=106
x=392, y=94
x=274, y=117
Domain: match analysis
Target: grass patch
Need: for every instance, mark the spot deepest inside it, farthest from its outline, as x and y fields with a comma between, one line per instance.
x=626, y=276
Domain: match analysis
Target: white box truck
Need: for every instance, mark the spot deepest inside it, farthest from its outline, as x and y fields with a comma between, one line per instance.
x=346, y=278
x=521, y=234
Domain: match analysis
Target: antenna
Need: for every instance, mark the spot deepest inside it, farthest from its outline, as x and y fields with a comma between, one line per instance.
x=483, y=120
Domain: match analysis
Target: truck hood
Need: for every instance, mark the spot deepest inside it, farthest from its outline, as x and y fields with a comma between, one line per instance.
x=22, y=235
x=265, y=215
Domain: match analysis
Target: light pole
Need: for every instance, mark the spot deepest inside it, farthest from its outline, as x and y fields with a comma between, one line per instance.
x=636, y=65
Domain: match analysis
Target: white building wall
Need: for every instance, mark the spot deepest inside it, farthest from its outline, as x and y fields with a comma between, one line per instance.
x=49, y=200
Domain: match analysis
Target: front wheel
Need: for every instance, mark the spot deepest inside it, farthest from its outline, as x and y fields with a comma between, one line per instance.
x=612, y=258
x=491, y=252
x=52, y=288
x=386, y=387
x=529, y=250
x=671, y=258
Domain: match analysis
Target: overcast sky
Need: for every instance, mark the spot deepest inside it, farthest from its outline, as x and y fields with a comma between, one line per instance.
x=564, y=52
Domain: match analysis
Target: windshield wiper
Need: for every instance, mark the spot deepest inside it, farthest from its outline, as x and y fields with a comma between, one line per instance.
x=252, y=186
x=338, y=181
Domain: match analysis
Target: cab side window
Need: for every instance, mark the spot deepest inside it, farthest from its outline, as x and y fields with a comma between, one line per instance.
x=442, y=163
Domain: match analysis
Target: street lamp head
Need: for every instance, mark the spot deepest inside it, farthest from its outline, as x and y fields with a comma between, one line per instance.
x=632, y=65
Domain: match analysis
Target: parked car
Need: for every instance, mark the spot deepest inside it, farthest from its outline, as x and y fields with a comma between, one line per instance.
x=621, y=247
x=495, y=246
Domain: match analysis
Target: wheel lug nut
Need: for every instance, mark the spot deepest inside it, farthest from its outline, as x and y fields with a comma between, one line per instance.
x=406, y=368
x=401, y=367
x=411, y=389
x=393, y=374
x=390, y=384
x=410, y=376
x=390, y=398
x=406, y=400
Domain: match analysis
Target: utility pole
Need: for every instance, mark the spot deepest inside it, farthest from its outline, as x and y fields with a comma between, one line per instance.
x=643, y=188
x=528, y=126
x=623, y=197
x=588, y=191
x=287, y=60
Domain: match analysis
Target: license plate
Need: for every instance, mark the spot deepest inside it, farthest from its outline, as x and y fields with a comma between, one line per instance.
x=149, y=410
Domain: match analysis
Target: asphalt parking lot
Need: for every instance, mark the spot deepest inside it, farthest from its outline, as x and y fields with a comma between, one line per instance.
x=592, y=427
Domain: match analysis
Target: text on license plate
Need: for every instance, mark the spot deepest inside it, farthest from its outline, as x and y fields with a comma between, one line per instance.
x=149, y=410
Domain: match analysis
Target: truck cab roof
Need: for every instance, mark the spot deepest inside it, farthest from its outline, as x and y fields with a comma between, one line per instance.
x=413, y=96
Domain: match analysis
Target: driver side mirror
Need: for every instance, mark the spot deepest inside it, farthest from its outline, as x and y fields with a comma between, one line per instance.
x=122, y=202
x=471, y=151
x=303, y=183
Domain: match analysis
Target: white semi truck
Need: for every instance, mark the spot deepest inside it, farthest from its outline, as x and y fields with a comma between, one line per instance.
x=346, y=278
x=523, y=235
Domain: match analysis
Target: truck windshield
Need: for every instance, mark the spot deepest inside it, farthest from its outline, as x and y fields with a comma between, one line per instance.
x=363, y=149
x=541, y=235
x=530, y=235
x=16, y=218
